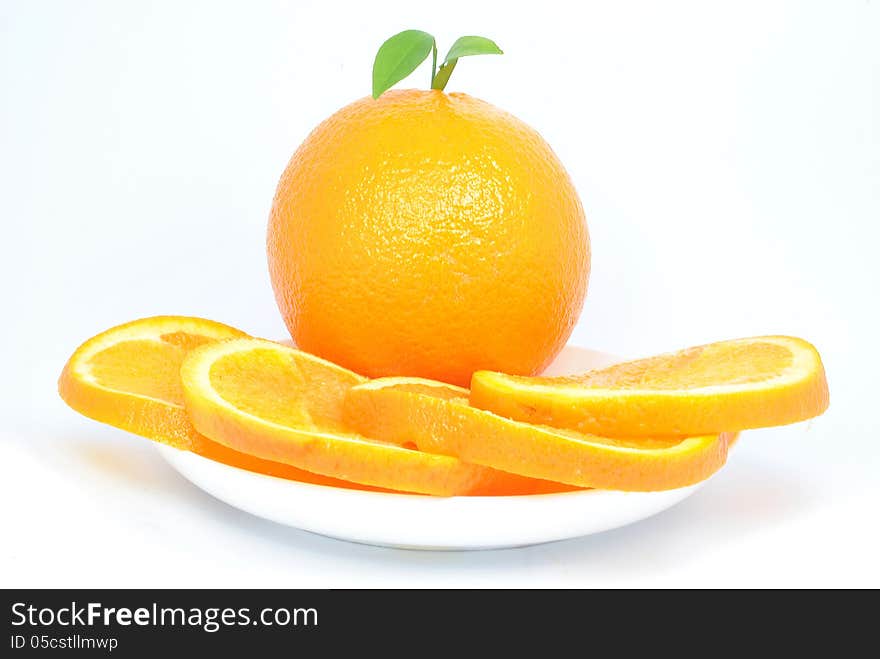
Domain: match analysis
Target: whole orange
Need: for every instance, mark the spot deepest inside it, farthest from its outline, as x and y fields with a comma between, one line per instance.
x=428, y=234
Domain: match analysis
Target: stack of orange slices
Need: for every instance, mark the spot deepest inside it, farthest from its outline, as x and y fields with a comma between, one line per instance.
x=652, y=424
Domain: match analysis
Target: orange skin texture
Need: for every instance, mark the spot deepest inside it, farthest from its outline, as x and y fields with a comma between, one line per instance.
x=447, y=426
x=726, y=386
x=428, y=234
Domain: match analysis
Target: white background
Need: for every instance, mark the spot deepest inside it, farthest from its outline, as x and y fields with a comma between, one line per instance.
x=728, y=158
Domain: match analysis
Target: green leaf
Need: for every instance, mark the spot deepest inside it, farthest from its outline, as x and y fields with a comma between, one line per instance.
x=463, y=47
x=398, y=57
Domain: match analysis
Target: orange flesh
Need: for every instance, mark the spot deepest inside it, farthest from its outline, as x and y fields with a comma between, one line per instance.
x=154, y=371
x=281, y=389
x=702, y=366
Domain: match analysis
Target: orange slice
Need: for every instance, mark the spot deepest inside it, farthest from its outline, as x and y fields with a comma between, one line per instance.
x=726, y=386
x=436, y=418
x=285, y=405
x=129, y=377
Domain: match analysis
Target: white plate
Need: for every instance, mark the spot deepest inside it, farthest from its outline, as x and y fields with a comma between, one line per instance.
x=423, y=522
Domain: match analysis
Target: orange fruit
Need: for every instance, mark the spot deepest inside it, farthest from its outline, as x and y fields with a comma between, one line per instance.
x=438, y=419
x=428, y=234
x=129, y=377
x=285, y=405
x=730, y=385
